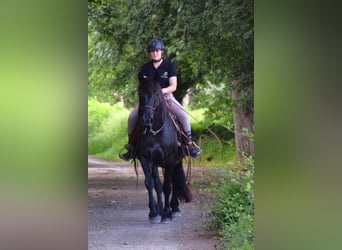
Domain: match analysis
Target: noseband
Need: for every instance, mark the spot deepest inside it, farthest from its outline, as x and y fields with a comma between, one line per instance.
x=149, y=107
x=152, y=107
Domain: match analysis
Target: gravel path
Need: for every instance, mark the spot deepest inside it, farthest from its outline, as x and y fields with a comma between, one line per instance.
x=118, y=214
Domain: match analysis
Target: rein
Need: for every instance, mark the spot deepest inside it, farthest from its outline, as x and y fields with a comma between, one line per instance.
x=154, y=132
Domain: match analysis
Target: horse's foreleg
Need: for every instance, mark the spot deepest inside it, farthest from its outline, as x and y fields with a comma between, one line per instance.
x=149, y=184
x=158, y=188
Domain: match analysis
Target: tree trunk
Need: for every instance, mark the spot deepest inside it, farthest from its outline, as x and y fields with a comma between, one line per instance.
x=243, y=119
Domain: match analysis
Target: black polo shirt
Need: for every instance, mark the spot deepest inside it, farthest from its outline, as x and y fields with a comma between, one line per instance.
x=165, y=70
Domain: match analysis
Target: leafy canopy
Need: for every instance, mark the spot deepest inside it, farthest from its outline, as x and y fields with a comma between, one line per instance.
x=211, y=43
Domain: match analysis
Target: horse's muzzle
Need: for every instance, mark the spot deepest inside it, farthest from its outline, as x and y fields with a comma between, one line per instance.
x=147, y=119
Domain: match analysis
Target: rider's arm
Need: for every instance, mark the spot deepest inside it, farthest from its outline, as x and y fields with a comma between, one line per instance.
x=172, y=85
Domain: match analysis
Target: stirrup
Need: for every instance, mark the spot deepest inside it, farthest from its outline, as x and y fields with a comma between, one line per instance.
x=193, y=149
x=196, y=146
x=128, y=155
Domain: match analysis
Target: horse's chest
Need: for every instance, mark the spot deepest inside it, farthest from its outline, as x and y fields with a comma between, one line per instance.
x=158, y=152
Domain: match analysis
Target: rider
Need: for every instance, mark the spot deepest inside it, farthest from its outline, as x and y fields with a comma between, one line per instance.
x=167, y=76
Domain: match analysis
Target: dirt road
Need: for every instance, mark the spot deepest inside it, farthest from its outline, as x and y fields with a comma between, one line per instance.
x=118, y=214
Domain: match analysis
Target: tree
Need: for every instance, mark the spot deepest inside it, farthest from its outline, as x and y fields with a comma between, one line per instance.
x=221, y=36
x=211, y=43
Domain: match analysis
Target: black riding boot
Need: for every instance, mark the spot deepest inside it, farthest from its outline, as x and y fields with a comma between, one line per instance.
x=128, y=155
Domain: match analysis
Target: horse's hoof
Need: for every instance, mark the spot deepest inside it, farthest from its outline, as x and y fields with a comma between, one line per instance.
x=176, y=214
x=166, y=221
x=155, y=220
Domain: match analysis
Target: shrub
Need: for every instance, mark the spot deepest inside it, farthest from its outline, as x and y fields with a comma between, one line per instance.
x=97, y=112
x=107, y=129
x=231, y=211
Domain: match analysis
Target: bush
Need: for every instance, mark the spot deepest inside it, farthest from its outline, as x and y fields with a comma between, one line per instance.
x=97, y=113
x=231, y=211
x=107, y=129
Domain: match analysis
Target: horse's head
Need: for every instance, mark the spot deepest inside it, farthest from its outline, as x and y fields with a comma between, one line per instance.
x=149, y=100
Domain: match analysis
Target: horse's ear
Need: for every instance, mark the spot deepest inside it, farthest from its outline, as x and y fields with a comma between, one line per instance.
x=153, y=77
x=141, y=77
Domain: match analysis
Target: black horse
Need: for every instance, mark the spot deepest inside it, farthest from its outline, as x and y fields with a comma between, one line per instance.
x=159, y=144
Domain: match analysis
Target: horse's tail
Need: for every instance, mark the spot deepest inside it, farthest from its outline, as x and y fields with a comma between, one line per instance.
x=180, y=187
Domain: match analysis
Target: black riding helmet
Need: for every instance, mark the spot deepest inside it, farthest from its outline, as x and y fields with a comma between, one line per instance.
x=155, y=44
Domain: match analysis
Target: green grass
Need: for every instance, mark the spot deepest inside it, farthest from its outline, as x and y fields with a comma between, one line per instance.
x=107, y=134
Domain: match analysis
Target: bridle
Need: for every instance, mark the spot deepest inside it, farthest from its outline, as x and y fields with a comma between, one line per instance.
x=149, y=107
x=153, y=108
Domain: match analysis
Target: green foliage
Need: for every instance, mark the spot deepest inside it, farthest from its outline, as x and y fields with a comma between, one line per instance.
x=218, y=109
x=232, y=209
x=97, y=112
x=216, y=141
x=215, y=153
x=209, y=41
x=107, y=129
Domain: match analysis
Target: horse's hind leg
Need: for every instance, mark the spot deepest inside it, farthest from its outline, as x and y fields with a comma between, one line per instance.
x=158, y=188
x=176, y=191
x=180, y=189
x=149, y=184
x=166, y=217
x=176, y=212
